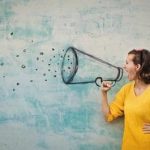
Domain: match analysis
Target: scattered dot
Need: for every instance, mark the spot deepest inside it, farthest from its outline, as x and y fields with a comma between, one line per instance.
x=13, y=89
x=55, y=76
x=55, y=71
x=31, y=80
x=11, y=33
x=45, y=79
x=54, y=56
x=24, y=50
x=49, y=70
x=2, y=64
x=36, y=69
x=17, y=55
x=69, y=68
x=42, y=60
x=44, y=74
x=61, y=56
x=41, y=53
x=49, y=64
x=57, y=63
x=50, y=59
x=37, y=58
x=23, y=66
x=3, y=76
x=18, y=83
x=53, y=49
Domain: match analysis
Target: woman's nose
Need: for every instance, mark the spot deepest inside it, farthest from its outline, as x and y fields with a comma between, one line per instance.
x=124, y=66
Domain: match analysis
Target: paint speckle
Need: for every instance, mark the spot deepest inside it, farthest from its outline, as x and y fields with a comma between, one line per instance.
x=37, y=68
x=41, y=53
x=23, y=66
x=2, y=64
x=24, y=50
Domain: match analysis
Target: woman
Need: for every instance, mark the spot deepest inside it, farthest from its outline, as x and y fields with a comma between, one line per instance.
x=132, y=101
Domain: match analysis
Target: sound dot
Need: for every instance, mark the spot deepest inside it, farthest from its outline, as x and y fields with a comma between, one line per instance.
x=23, y=66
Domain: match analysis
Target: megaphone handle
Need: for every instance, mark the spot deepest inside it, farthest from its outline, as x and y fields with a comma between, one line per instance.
x=101, y=80
x=97, y=79
x=113, y=83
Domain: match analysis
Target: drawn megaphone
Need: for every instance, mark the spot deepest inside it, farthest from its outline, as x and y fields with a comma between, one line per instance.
x=79, y=67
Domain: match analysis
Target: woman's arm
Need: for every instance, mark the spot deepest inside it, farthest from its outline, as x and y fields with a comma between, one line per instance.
x=106, y=86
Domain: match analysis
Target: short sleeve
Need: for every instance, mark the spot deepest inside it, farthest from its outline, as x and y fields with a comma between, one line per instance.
x=116, y=107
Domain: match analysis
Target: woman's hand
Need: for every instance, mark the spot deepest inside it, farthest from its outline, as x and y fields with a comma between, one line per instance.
x=106, y=86
x=146, y=128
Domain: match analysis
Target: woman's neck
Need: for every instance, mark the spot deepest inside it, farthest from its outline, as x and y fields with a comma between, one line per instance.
x=140, y=87
x=139, y=84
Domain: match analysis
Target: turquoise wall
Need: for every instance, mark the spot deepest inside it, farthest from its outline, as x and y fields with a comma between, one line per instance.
x=37, y=110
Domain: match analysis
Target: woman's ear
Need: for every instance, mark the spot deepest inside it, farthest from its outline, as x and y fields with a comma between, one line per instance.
x=138, y=66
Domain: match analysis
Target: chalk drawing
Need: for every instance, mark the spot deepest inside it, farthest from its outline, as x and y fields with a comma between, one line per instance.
x=73, y=60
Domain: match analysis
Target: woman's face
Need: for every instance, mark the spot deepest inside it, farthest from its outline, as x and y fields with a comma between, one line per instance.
x=131, y=68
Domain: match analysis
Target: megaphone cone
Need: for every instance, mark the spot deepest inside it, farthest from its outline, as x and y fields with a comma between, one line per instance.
x=79, y=67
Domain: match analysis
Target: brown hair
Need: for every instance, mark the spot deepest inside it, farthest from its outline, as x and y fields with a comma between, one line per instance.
x=142, y=57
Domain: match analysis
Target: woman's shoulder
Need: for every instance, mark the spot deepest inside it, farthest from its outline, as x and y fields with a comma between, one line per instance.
x=128, y=85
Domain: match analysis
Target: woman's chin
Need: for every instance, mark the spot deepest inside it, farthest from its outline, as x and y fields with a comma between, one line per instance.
x=129, y=78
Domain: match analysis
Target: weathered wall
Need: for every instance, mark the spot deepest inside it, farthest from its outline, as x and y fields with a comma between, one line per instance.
x=37, y=110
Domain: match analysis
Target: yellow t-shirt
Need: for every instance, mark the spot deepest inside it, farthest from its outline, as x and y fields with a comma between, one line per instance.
x=136, y=111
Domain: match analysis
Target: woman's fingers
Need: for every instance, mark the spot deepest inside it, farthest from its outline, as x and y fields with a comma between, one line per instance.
x=146, y=124
x=106, y=85
x=146, y=128
x=146, y=132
